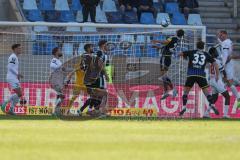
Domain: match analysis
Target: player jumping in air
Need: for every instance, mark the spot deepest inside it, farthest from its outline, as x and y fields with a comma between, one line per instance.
x=197, y=60
x=56, y=66
x=13, y=78
x=166, y=57
x=226, y=48
x=217, y=86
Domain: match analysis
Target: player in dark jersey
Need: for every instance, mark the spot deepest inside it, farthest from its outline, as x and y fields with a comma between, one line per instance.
x=101, y=53
x=197, y=60
x=166, y=57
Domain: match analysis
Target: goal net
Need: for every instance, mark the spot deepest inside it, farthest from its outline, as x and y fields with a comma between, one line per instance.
x=135, y=86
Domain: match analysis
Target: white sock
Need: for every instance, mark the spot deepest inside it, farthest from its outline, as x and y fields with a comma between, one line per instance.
x=58, y=102
x=225, y=110
x=14, y=100
x=235, y=92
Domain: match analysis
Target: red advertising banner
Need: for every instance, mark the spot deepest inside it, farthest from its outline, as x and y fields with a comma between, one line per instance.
x=122, y=97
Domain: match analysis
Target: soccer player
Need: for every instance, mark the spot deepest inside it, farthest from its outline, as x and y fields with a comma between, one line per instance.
x=217, y=86
x=226, y=53
x=55, y=66
x=102, y=54
x=166, y=57
x=197, y=60
x=13, y=77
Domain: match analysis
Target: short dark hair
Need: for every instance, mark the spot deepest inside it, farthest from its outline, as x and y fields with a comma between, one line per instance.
x=180, y=33
x=101, y=43
x=14, y=46
x=223, y=32
x=54, y=50
x=200, y=45
x=87, y=46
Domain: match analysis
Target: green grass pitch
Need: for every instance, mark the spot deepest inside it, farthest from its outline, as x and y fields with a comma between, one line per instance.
x=32, y=138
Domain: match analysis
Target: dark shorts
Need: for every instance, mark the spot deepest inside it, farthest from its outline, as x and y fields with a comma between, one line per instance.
x=201, y=81
x=99, y=83
x=165, y=62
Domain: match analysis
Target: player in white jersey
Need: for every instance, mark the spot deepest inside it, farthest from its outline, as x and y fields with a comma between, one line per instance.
x=226, y=48
x=217, y=86
x=13, y=78
x=56, y=66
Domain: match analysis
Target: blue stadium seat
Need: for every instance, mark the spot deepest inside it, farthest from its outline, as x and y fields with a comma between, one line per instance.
x=30, y=5
x=34, y=15
x=171, y=8
x=61, y=5
x=44, y=45
x=143, y=39
x=130, y=17
x=66, y=16
x=194, y=19
x=76, y=5
x=67, y=48
x=162, y=17
x=51, y=16
x=147, y=18
x=46, y=5
x=178, y=19
x=100, y=15
x=114, y=17
x=138, y=50
x=109, y=6
x=152, y=52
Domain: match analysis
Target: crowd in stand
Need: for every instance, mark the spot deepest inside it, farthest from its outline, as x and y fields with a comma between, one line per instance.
x=138, y=6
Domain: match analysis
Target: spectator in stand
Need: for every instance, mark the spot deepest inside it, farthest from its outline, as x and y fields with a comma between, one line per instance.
x=128, y=5
x=188, y=6
x=89, y=7
x=145, y=6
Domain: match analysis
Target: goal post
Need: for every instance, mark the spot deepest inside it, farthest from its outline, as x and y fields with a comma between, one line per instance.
x=135, y=85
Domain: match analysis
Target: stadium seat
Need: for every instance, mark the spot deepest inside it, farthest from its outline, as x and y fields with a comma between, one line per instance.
x=79, y=17
x=51, y=16
x=109, y=6
x=100, y=15
x=66, y=16
x=138, y=50
x=30, y=5
x=76, y=5
x=81, y=48
x=178, y=19
x=130, y=17
x=128, y=38
x=147, y=18
x=46, y=5
x=114, y=17
x=152, y=52
x=67, y=48
x=61, y=5
x=171, y=8
x=34, y=15
x=89, y=29
x=162, y=17
x=40, y=28
x=143, y=39
x=194, y=19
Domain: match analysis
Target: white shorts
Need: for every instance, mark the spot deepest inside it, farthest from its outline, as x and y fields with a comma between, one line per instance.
x=14, y=83
x=217, y=86
x=229, y=70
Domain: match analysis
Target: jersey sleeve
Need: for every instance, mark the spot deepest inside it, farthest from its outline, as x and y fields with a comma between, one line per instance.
x=54, y=65
x=226, y=51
